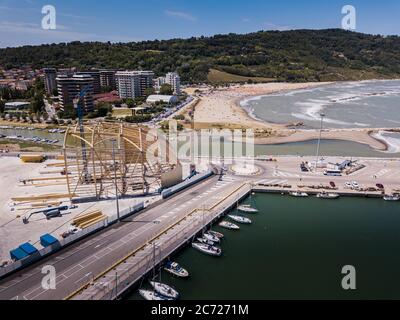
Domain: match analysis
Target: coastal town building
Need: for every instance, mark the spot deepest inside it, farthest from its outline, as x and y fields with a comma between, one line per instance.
x=158, y=82
x=154, y=98
x=107, y=79
x=96, y=79
x=70, y=87
x=173, y=79
x=50, y=84
x=133, y=84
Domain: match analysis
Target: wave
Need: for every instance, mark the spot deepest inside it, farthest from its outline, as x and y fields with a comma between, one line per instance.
x=392, y=143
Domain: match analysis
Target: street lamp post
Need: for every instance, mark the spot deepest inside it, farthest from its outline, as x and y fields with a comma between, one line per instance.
x=115, y=177
x=319, y=140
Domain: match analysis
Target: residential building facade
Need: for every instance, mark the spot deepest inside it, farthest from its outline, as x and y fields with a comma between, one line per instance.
x=107, y=79
x=50, y=84
x=173, y=79
x=133, y=84
x=70, y=87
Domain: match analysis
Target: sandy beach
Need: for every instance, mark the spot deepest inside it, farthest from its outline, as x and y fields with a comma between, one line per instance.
x=221, y=108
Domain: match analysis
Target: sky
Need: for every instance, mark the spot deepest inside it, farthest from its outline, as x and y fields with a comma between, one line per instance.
x=138, y=20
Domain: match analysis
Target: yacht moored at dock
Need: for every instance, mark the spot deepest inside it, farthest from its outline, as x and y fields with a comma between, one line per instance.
x=207, y=249
x=229, y=225
x=247, y=208
x=391, y=197
x=325, y=195
x=240, y=219
x=298, y=194
x=175, y=269
x=153, y=296
x=211, y=237
x=165, y=290
x=219, y=235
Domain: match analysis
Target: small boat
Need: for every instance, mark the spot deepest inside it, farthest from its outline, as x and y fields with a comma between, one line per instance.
x=247, y=208
x=229, y=225
x=240, y=219
x=325, y=195
x=153, y=296
x=211, y=237
x=207, y=249
x=206, y=241
x=216, y=234
x=299, y=194
x=175, y=269
x=391, y=197
x=165, y=290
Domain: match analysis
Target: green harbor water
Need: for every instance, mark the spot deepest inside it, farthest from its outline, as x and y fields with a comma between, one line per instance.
x=295, y=249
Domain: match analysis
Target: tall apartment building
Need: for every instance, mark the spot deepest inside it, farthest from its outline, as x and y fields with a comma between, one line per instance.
x=107, y=79
x=50, y=84
x=70, y=87
x=158, y=82
x=133, y=84
x=173, y=79
x=96, y=79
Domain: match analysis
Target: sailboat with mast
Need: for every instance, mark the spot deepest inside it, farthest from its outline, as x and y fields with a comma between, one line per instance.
x=161, y=291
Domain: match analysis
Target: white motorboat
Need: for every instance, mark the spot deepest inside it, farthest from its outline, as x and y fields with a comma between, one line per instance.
x=211, y=237
x=240, y=219
x=229, y=225
x=299, y=194
x=219, y=235
x=207, y=249
x=391, y=197
x=247, y=208
x=175, y=269
x=206, y=241
x=325, y=195
x=153, y=296
x=165, y=290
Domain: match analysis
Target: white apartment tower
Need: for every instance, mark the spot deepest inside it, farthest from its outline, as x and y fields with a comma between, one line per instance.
x=173, y=79
x=133, y=84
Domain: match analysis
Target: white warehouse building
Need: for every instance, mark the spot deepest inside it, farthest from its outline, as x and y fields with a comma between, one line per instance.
x=163, y=98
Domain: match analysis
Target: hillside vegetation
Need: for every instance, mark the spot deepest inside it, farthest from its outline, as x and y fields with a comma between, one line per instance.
x=299, y=55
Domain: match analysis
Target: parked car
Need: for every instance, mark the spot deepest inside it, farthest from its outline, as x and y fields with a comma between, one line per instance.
x=355, y=185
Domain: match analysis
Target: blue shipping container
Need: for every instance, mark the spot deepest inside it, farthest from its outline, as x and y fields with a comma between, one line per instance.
x=28, y=248
x=18, y=254
x=47, y=240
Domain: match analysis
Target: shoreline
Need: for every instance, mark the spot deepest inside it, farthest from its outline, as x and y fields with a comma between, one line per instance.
x=231, y=113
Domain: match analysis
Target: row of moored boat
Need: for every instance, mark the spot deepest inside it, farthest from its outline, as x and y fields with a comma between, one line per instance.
x=208, y=243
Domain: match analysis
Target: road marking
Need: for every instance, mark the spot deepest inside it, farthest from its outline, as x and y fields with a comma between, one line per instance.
x=84, y=277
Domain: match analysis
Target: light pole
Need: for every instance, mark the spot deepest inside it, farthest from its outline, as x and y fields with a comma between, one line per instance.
x=115, y=177
x=319, y=140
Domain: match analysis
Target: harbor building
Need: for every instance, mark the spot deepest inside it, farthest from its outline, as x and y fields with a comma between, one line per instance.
x=50, y=84
x=70, y=87
x=133, y=84
x=173, y=79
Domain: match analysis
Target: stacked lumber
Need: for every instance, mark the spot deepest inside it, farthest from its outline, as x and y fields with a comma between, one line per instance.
x=88, y=219
x=51, y=196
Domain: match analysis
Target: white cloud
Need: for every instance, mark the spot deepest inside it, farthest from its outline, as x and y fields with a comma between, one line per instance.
x=245, y=20
x=273, y=26
x=181, y=15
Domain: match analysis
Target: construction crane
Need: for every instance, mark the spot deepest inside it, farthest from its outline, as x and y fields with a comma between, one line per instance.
x=77, y=105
